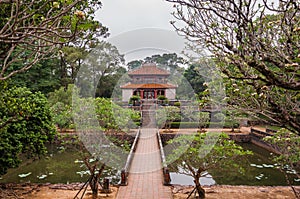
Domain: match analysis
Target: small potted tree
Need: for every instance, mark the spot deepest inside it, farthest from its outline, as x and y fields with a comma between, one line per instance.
x=134, y=100
x=163, y=100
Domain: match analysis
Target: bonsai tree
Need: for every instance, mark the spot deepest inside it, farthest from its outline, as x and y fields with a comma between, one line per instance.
x=134, y=99
x=199, y=156
x=163, y=99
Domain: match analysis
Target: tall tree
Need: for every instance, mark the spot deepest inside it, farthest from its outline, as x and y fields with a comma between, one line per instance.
x=256, y=45
x=193, y=77
x=30, y=30
x=101, y=61
x=45, y=76
x=134, y=64
x=168, y=61
x=110, y=83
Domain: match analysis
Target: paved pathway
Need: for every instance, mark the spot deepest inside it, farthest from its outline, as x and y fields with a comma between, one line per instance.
x=145, y=179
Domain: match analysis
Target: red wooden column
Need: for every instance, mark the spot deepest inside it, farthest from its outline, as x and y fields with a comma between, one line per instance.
x=142, y=94
x=155, y=94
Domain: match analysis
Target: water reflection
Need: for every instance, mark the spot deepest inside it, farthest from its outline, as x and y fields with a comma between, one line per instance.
x=258, y=170
x=65, y=167
x=183, y=179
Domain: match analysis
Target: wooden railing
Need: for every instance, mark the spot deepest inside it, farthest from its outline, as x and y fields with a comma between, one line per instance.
x=166, y=173
x=125, y=170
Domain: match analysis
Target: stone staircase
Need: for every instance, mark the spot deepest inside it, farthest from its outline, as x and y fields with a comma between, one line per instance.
x=148, y=114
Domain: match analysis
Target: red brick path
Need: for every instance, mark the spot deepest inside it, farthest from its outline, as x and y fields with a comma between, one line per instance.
x=145, y=179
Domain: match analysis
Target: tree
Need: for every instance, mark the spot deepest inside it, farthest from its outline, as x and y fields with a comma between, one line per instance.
x=287, y=144
x=134, y=64
x=199, y=156
x=45, y=77
x=61, y=106
x=111, y=83
x=193, y=115
x=193, y=77
x=101, y=61
x=166, y=115
x=134, y=100
x=112, y=117
x=31, y=30
x=168, y=61
x=256, y=46
x=72, y=59
x=25, y=125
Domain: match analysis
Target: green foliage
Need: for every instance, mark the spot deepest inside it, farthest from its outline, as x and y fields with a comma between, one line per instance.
x=169, y=61
x=166, y=115
x=61, y=106
x=134, y=64
x=133, y=99
x=163, y=100
x=114, y=117
x=162, y=97
x=220, y=116
x=43, y=76
x=194, y=155
x=109, y=115
x=177, y=104
x=102, y=61
x=288, y=145
x=227, y=124
x=193, y=77
x=255, y=44
x=110, y=83
x=40, y=27
x=63, y=117
x=25, y=125
x=190, y=114
x=62, y=95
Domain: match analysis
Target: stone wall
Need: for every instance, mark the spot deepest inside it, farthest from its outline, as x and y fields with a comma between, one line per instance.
x=126, y=94
x=170, y=94
x=240, y=137
x=257, y=139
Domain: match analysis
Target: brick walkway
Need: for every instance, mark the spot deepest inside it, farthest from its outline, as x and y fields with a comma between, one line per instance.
x=145, y=179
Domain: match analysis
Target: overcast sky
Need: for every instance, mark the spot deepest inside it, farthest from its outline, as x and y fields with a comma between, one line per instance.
x=140, y=28
x=126, y=15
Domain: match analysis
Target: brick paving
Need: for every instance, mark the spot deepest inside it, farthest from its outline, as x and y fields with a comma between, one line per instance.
x=145, y=179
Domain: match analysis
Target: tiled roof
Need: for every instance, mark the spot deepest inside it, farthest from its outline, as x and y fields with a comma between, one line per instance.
x=144, y=86
x=149, y=69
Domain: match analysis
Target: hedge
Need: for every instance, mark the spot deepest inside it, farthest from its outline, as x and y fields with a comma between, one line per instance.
x=227, y=124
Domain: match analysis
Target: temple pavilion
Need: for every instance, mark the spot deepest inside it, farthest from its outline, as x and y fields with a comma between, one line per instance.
x=148, y=82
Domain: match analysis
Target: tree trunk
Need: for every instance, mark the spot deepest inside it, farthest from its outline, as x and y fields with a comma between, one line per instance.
x=200, y=190
x=94, y=186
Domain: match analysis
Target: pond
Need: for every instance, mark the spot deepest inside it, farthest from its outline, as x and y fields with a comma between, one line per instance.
x=66, y=167
x=57, y=167
x=259, y=170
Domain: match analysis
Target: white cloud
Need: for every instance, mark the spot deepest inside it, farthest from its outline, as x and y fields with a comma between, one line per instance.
x=140, y=28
